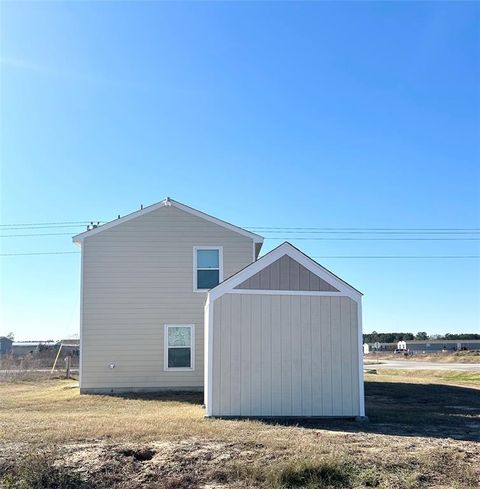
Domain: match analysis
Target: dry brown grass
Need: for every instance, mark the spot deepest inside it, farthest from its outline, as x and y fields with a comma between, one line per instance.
x=420, y=435
x=443, y=357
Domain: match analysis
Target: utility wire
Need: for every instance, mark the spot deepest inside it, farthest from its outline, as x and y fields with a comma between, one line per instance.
x=323, y=256
x=42, y=253
x=361, y=229
x=87, y=221
x=303, y=238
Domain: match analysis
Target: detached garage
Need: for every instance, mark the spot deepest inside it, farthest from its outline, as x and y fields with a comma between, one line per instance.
x=284, y=338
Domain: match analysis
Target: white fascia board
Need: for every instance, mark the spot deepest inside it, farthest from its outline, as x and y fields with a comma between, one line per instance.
x=166, y=203
x=266, y=260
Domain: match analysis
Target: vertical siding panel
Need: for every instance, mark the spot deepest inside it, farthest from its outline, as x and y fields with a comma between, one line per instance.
x=355, y=356
x=235, y=344
x=294, y=274
x=225, y=363
x=257, y=351
x=254, y=281
x=317, y=353
x=327, y=366
x=286, y=356
x=277, y=359
x=314, y=282
x=306, y=357
x=336, y=355
x=296, y=355
x=266, y=356
x=245, y=363
x=275, y=275
x=304, y=280
x=284, y=273
x=265, y=278
x=346, y=355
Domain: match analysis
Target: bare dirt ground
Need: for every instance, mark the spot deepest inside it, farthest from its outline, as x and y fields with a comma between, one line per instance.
x=422, y=432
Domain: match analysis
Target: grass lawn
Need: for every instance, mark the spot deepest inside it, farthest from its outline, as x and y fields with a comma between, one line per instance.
x=423, y=432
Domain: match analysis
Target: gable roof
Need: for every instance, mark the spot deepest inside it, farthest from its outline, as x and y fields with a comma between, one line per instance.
x=288, y=249
x=167, y=203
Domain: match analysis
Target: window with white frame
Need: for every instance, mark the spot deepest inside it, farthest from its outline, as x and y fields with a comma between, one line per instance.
x=208, y=267
x=179, y=347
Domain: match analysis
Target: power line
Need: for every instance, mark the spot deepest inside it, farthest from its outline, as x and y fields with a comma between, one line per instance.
x=87, y=221
x=42, y=253
x=360, y=229
x=22, y=228
x=29, y=235
x=402, y=257
x=369, y=239
x=303, y=238
x=323, y=256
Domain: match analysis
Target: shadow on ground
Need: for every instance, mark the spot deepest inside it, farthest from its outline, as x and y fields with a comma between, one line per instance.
x=404, y=409
x=167, y=396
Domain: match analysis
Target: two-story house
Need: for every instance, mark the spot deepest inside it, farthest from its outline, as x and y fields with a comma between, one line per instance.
x=175, y=299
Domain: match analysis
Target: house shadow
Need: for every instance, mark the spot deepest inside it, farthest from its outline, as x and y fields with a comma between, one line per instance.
x=195, y=398
x=404, y=409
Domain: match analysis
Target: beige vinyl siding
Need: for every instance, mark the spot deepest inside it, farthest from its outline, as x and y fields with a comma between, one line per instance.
x=137, y=277
x=285, y=355
x=286, y=274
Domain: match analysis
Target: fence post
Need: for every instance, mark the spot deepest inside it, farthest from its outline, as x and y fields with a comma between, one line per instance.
x=68, y=361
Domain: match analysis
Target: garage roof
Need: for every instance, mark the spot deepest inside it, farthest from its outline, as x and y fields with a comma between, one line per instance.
x=339, y=286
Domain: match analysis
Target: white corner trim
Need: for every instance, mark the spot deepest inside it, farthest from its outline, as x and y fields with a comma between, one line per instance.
x=205, y=351
x=208, y=357
x=220, y=265
x=266, y=260
x=361, y=386
x=167, y=203
x=80, y=358
x=165, y=348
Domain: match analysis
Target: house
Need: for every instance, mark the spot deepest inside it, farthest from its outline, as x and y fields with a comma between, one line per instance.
x=5, y=345
x=169, y=296
x=23, y=348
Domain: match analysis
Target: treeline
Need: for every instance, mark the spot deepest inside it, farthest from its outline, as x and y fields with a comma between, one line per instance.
x=420, y=336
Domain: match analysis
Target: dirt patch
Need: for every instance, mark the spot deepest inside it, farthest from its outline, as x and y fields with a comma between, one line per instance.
x=339, y=460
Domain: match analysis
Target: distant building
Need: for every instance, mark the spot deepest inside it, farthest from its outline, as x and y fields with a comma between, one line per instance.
x=22, y=348
x=428, y=345
x=5, y=345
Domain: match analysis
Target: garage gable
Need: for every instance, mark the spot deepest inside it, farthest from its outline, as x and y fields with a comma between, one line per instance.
x=286, y=274
x=285, y=270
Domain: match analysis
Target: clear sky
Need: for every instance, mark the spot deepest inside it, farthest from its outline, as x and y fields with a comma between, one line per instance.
x=310, y=114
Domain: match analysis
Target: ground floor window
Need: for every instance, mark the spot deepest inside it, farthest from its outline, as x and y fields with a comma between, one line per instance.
x=179, y=347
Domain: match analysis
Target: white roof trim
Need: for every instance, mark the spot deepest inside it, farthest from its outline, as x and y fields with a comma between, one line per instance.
x=284, y=249
x=166, y=203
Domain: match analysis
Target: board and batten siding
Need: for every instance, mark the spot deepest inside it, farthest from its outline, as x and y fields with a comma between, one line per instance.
x=137, y=277
x=285, y=355
x=286, y=274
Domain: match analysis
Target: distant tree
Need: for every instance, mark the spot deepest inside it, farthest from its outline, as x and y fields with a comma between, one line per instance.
x=11, y=336
x=462, y=336
x=421, y=336
x=387, y=337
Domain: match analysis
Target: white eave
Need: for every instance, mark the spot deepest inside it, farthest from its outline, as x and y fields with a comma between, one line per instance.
x=167, y=203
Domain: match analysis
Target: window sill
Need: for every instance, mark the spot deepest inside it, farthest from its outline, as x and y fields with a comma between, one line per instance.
x=179, y=369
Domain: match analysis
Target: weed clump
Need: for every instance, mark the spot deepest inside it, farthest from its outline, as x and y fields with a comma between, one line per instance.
x=39, y=469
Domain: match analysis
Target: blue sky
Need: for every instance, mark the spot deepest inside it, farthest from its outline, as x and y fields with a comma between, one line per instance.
x=342, y=115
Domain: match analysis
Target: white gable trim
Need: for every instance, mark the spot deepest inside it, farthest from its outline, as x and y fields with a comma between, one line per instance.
x=229, y=285
x=167, y=203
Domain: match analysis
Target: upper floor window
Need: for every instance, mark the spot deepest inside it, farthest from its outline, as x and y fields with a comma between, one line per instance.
x=207, y=267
